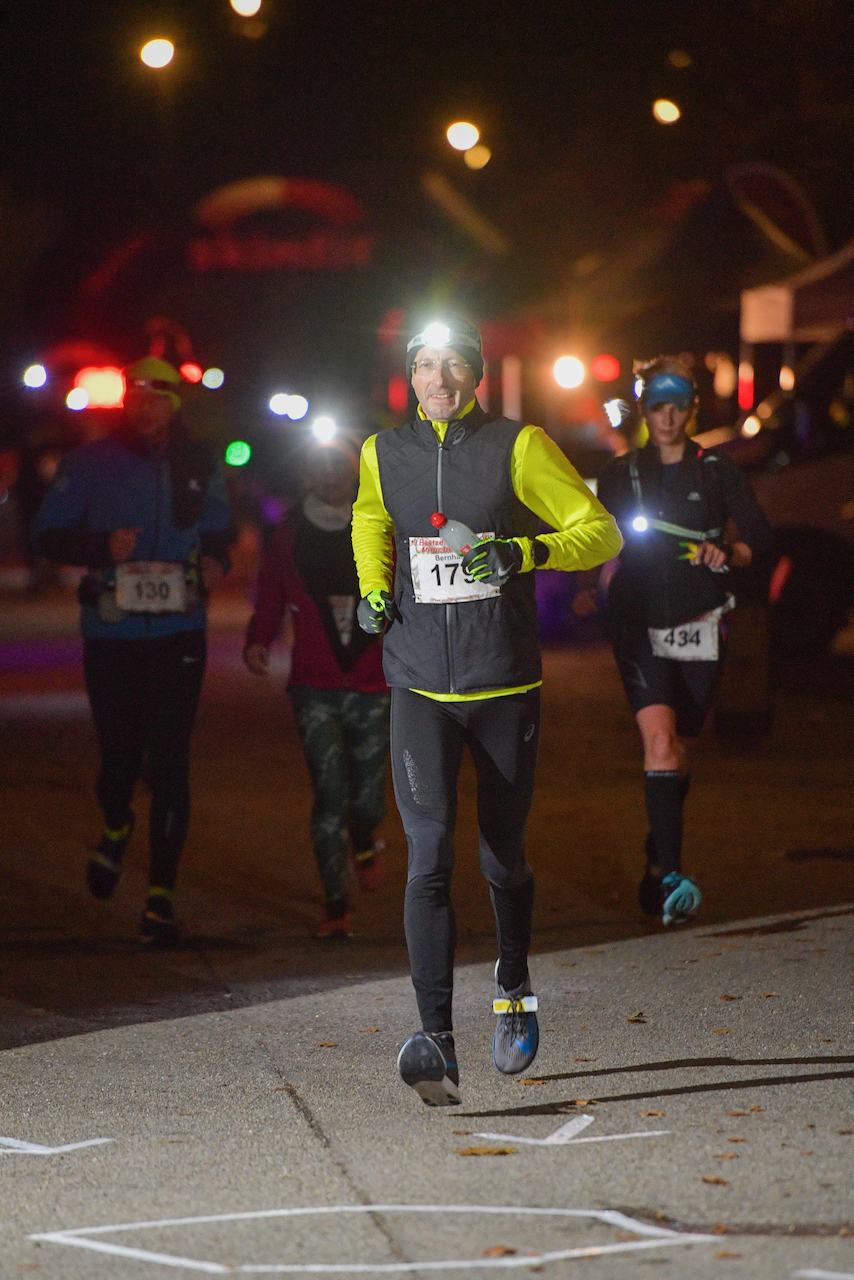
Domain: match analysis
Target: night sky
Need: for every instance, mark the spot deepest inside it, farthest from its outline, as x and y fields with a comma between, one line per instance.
x=621, y=231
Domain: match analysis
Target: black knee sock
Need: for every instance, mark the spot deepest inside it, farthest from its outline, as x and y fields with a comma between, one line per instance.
x=665, y=792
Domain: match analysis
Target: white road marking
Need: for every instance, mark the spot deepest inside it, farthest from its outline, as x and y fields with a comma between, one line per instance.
x=815, y=1274
x=565, y=1135
x=14, y=1146
x=654, y=1238
x=39, y=706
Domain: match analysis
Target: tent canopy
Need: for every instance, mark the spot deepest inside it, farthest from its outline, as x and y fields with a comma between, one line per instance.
x=816, y=305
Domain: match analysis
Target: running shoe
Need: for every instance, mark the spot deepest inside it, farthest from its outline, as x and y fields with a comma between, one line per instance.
x=682, y=898
x=517, y=1033
x=369, y=867
x=105, y=865
x=157, y=924
x=428, y=1064
x=336, y=922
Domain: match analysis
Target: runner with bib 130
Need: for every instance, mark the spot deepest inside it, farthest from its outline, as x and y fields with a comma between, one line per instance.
x=676, y=505
x=462, y=657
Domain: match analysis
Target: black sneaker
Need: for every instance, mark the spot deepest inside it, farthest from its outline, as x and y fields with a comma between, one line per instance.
x=517, y=1032
x=157, y=924
x=428, y=1064
x=105, y=865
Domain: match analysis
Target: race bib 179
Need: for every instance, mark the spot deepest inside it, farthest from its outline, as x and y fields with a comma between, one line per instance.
x=151, y=586
x=438, y=576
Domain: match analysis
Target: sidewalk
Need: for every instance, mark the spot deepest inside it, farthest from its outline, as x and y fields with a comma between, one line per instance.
x=735, y=1040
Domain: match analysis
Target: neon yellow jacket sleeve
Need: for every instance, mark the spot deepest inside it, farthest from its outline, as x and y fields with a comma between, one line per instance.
x=373, y=527
x=544, y=479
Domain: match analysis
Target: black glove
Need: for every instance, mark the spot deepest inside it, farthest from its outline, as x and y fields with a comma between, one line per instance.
x=377, y=612
x=494, y=561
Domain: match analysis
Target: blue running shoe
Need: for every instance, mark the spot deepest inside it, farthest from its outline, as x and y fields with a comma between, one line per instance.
x=428, y=1064
x=682, y=898
x=517, y=1033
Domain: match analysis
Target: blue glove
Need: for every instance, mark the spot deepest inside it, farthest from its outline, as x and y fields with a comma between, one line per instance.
x=495, y=561
x=377, y=612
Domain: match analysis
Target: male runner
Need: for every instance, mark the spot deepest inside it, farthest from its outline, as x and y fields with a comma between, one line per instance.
x=462, y=657
x=146, y=511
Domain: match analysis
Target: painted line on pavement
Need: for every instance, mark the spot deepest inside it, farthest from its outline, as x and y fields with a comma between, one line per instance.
x=652, y=1238
x=15, y=1147
x=565, y=1136
x=815, y=1274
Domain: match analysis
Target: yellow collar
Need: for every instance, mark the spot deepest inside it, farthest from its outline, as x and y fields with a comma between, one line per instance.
x=441, y=427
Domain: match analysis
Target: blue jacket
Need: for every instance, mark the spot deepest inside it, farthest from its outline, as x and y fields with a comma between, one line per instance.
x=174, y=494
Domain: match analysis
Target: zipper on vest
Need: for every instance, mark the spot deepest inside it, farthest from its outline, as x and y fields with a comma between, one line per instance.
x=448, y=607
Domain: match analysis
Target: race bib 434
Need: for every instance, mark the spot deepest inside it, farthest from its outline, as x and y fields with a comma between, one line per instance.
x=438, y=576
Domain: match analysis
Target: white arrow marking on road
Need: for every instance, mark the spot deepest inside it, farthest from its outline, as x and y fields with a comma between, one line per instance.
x=14, y=1146
x=565, y=1135
x=816, y=1274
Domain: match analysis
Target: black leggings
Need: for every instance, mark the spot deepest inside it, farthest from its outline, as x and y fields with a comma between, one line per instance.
x=427, y=740
x=144, y=695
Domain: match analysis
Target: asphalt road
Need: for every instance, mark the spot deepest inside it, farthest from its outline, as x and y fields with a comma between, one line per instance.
x=251, y=1070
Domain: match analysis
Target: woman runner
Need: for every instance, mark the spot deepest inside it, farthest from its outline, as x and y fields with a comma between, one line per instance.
x=688, y=516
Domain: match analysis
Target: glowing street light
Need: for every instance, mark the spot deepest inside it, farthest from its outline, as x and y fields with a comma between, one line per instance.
x=665, y=111
x=238, y=453
x=286, y=406
x=77, y=398
x=751, y=426
x=324, y=429
x=213, y=378
x=35, y=376
x=569, y=372
x=157, y=53
x=477, y=157
x=246, y=8
x=462, y=135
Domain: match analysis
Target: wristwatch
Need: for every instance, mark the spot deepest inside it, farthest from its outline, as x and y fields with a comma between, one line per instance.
x=539, y=552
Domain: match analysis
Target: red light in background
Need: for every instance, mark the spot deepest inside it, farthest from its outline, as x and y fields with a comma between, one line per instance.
x=398, y=393
x=745, y=385
x=605, y=368
x=105, y=387
x=191, y=373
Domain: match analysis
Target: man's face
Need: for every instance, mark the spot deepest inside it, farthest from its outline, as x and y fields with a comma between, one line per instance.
x=332, y=476
x=147, y=412
x=667, y=423
x=446, y=385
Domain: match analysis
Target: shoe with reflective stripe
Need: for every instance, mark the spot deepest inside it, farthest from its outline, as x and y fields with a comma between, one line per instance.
x=517, y=1032
x=105, y=865
x=682, y=898
x=157, y=924
x=428, y=1064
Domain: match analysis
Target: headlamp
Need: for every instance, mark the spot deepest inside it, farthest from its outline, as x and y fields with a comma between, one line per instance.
x=640, y=524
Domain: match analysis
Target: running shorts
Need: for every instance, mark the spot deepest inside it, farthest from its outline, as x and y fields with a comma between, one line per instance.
x=687, y=687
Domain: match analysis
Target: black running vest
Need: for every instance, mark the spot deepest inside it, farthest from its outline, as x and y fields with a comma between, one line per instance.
x=481, y=645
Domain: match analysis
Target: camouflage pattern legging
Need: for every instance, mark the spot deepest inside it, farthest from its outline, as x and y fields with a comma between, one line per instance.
x=345, y=739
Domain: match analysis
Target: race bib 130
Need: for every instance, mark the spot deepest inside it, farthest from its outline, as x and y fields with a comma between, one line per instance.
x=151, y=586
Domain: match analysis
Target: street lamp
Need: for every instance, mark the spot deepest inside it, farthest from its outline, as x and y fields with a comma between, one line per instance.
x=569, y=372
x=665, y=111
x=157, y=53
x=462, y=135
x=246, y=8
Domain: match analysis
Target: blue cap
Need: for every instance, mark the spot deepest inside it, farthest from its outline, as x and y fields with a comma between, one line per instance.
x=668, y=388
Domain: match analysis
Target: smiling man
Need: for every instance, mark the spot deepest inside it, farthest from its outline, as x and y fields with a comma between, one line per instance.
x=462, y=657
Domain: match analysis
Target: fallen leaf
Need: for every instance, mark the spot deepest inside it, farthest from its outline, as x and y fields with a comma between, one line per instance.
x=767, y=995
x=487, y=1151
x=736, y=1139
x=637, y=1021
x=845, y=1131
x=585, y=1059
x=719, y=1231
x=172, y=1141
x=639, y=1014
x=326, y=1044
x=713, y=953
x=526, y=1080
x=625, y=1235
x=823, y=1041
x=722, y=1031
x=461, y=1133
x=806, y=1153
x=718, y=1182
x=652, y=1113
x=499, y=1251
x=728, y=1155
x=737, y=1113
x=732, y=997
x=757, y=1108
x=726, y=1253
x=583, y=1102
x=367, y=1031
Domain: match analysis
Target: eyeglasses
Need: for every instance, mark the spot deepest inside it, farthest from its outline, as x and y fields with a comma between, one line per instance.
x=456, y=368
